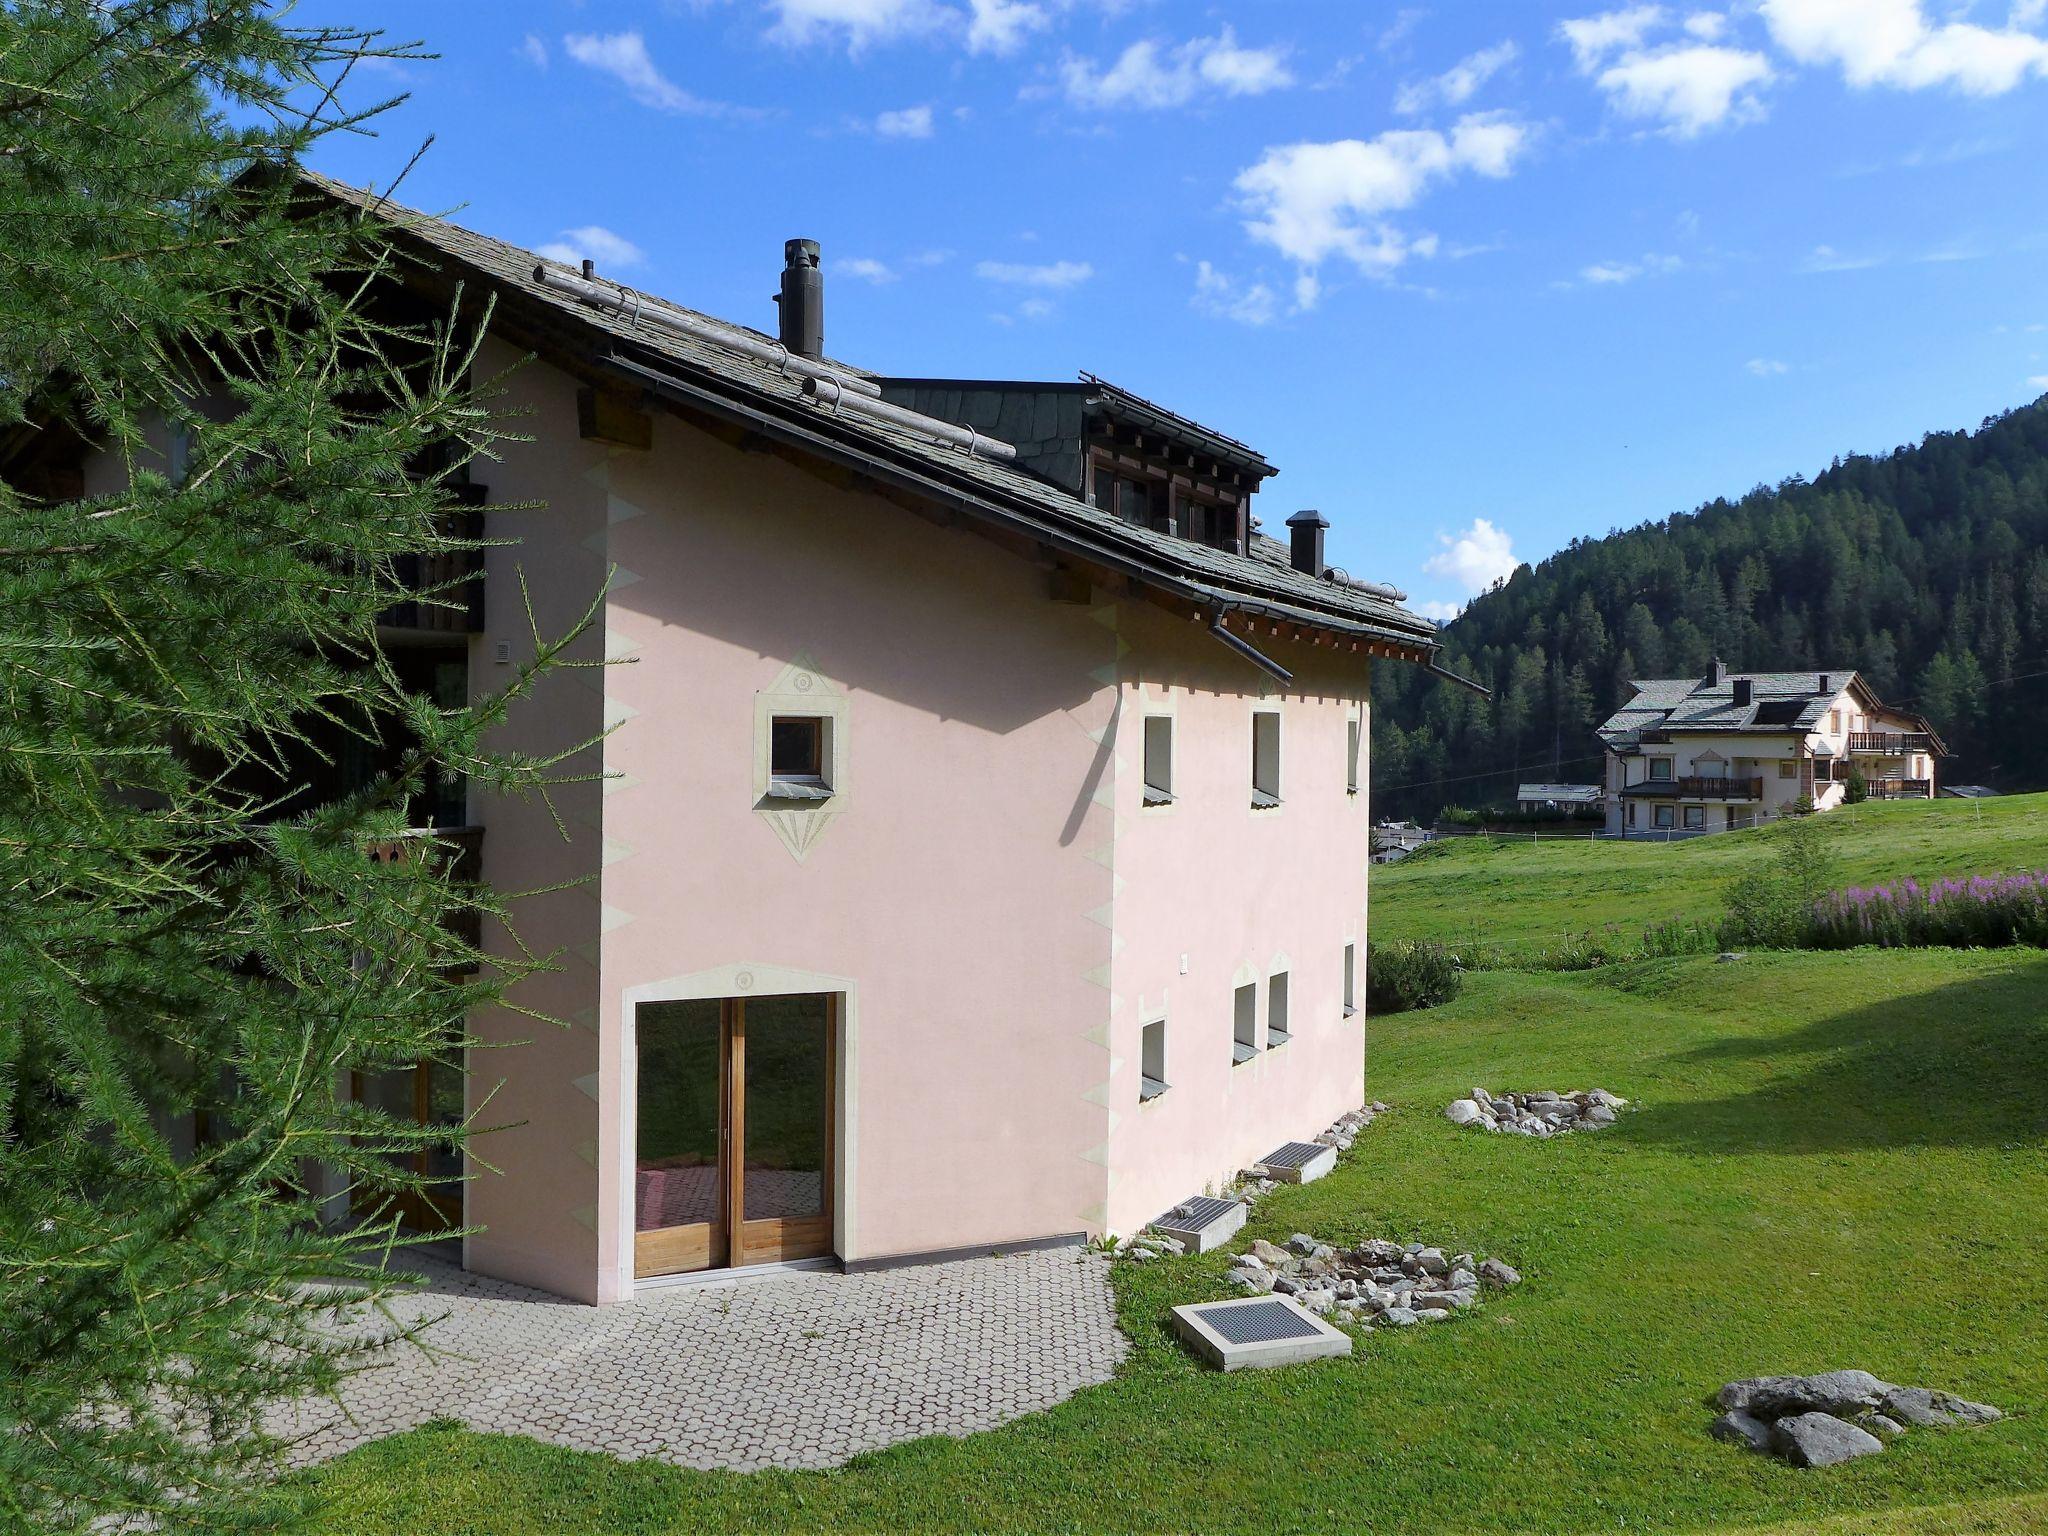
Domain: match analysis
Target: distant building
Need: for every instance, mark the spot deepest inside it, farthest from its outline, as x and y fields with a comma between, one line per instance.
x=1706, y=754
x=1968, y=792
x=1393, y=841
x=1559, y=797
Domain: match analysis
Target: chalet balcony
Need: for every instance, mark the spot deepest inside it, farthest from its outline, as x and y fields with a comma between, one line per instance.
x=1890, y=743
x=461, y=847
x=1900, y=789
x=449, y=582
x=1699, y=789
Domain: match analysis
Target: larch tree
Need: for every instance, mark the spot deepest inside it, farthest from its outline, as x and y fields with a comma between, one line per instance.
x=219, y=456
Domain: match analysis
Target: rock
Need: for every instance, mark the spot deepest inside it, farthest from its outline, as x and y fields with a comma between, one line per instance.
x=1247, y=1261
x=1399, y=1317
x=1287, y=1285
x=1727, y=957
x=1257, y=1282
x=1433, y=1315
x=1301, y=1243
x=1599, y=1114
x=1821, y=1440
x=1464, y=1112
x=1880, y=1426
x=1603, y=1098
x=1266, y=1253
x=1929, y=1409
x=1434, y=1301
x=1323, y=1253
x=1493, y=1272
x=1833, y=1392
x=1433, y=1262
x=1320, y=1302
x=1462, y=1279
x=1739, y=1428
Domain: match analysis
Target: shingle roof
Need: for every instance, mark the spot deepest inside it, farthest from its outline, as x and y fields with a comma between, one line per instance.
x=1779, y=701
x=1198, y=571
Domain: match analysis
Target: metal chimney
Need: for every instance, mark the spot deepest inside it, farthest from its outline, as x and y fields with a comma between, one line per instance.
x=1742, y=692
x=1305, y=532
x=802, y=299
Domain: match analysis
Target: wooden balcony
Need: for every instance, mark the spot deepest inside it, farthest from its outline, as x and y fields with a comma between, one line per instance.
x=1890, y=743
x=1700, y=789
x=1900, y=789
x=450, y=582
x=461, y=847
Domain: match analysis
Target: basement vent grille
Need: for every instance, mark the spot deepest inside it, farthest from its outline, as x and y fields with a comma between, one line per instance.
x=1267, y=1323
x=1296, y=1154
x=1199, y=1212
x=1202, y=1222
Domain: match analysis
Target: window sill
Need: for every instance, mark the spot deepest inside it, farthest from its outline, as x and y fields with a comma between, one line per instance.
x=1240, y=1053
x=1261, y=801
x=1149, y=1088
x=1350, y=1010
x=799, y=789
x=1157, y=797
x=1275, y=1038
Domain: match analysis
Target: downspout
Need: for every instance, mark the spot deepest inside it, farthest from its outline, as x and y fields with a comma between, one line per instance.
x=1245, y=648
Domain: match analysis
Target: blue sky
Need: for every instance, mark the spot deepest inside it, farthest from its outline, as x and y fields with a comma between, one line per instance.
x=1479, y=277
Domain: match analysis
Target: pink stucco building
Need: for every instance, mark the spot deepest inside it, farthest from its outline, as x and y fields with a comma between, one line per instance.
x=976, y=852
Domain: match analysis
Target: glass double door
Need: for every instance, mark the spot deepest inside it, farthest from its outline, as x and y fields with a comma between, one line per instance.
x=733, y=1163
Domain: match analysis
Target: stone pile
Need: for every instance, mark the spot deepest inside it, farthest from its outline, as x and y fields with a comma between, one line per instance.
x=1392, y=1284
x=1536, y=1114
x=1817, y=1421
x=1250, y=1183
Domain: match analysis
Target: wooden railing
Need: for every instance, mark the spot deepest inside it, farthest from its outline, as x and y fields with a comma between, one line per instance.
x=1900, y=789
x=1701, y=789
x=1890, y=743
x=450, y=581
x=462, y=847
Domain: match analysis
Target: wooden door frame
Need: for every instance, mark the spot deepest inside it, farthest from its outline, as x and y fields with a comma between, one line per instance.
x=423, y=1210
x=731, y=1240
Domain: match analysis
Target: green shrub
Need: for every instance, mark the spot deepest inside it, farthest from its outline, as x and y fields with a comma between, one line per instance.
x=1770, y=907
x=1405, y=974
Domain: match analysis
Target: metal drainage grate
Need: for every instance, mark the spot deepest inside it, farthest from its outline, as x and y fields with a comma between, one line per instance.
x=1197, y=1213
x=1296, y=1154
x=1266, y=1323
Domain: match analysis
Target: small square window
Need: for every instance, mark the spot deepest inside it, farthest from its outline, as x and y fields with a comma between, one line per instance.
x=1245, y=1039
x=798, y=747
x=1660, y=816
x=1266, y=758
x=1350, y=980
x=1787, y=768
x=1696, y=816
x=1152, y=1060
x=1159, y=759
x=1276, y=1011
x=1354, y=740
x=1660, y=770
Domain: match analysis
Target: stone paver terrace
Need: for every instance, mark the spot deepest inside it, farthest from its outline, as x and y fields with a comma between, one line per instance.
x=798, y=1370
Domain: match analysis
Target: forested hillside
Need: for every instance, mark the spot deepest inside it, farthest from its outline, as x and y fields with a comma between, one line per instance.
x=1925, y=569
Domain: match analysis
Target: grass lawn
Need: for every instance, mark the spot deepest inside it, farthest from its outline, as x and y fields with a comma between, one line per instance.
x=1838, y=1160
x=1531, y=895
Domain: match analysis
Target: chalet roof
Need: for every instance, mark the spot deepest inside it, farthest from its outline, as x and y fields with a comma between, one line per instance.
x=1780, y=703
x=773, y=402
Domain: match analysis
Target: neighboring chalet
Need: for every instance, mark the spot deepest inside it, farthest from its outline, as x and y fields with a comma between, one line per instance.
x=979, y=858
x=1705, y=754
x=1560, y=797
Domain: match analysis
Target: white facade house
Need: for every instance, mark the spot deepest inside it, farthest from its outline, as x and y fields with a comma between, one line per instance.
x=1687, y=756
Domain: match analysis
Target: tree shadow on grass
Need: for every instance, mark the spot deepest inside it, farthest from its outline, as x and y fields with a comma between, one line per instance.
x=1964, y=1065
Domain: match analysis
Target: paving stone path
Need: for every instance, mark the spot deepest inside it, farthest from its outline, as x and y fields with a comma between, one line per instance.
x=801, y=1370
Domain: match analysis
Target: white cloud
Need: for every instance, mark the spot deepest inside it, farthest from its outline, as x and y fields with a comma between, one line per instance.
x=865, y=268
x=1151, y=75
x=623, y=56
x=1825, y=258
x=857, y=23
x=1000, y=26
x=1311, y=202
x=1610, y=273
x=1054, y=275
x=1456, y=85
x=2038, y=381
x=1476, y=558
x=1690, y=89
x=1767, y=367
x=1707, y=26
x=1436, y=609
x=534, y=51
x=1220, y=295
x=1892, y=43
x=1035, y=309
x=2027, y=13
x=595, y=241
x=908, y=123
x=1593, y=38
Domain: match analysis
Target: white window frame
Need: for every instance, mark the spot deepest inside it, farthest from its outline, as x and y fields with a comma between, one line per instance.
x=1663, y=818
x=1266, y=776
x=1668, y=764
x=1278, y=988
x=1152, y=1079
x=1350, y=978
x=1694, y=818
x=1156, y=796
x=1244, y=1023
